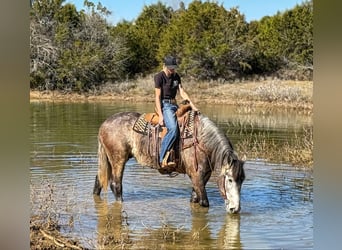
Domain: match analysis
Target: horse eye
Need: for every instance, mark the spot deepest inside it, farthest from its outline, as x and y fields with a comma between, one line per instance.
x=230, y=180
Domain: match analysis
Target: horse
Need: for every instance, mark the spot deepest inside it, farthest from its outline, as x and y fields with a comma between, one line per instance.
x=207, y=151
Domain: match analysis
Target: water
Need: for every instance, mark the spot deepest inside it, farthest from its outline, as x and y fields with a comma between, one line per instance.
x=276, y=200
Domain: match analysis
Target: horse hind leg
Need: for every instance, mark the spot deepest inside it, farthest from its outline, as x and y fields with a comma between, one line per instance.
x=116, y=180
x=97, y=187
x=116, y=188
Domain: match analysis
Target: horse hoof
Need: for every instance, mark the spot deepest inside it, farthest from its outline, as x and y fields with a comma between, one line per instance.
x=194, y=200
x=204, y=203
x=97, y=191
x=119, y=199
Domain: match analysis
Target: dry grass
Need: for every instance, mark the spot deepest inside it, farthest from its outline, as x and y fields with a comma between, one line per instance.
x=46, y=221
x=275, y=93
x=297, y=151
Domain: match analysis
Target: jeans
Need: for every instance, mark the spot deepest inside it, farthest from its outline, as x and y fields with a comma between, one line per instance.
x=170, y=121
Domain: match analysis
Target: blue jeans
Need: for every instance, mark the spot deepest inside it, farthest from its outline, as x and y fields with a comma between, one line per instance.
x=170, y=121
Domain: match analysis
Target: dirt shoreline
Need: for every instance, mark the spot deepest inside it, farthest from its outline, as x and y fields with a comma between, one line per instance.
x=241, y=94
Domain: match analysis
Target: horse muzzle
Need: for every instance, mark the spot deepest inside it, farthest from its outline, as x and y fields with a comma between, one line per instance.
x=231, y=207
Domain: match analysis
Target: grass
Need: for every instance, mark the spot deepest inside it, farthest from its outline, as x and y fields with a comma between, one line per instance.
x=297, y=151
x=46, y=220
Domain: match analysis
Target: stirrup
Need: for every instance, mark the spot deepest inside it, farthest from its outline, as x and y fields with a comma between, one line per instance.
x=173, y=174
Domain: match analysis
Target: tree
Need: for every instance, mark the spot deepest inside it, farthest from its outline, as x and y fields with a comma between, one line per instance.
x=44, y=52
x=73, y=50
x=208, y=39
x=285, y=41
x=94, y=56
x=146, y=32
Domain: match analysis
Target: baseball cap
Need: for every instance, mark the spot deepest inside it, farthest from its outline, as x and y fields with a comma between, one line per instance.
x=170, y=62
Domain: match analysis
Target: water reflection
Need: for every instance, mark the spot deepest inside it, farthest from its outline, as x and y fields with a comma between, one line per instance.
x=111, y=223
x=229, y=236
x=113, y=230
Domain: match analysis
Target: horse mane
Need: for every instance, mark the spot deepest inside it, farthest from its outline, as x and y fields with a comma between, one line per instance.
x=219, y=147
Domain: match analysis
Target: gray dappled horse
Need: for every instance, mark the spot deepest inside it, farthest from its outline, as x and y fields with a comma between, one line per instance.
x=207, y=150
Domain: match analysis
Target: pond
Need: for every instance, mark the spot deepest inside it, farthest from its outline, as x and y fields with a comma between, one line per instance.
x=276, y=199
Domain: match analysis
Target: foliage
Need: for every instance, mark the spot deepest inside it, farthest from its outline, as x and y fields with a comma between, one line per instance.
x=206, y=39
x=72, y=50
x=286, y=39
x=143, y=37
x=79, y=50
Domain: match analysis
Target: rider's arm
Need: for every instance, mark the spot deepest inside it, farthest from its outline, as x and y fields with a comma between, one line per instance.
x=158, y=105
x=185, y=96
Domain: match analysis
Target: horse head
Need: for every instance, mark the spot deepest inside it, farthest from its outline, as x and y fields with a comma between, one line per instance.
x=230, y=181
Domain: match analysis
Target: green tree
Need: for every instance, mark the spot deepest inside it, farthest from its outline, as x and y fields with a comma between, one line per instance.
x=147, y=31
x=93, y=56
x=297, y=35
x=285, y=40
x=208, y=39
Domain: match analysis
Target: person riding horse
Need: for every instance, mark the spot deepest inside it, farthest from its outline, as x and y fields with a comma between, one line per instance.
x=167, y=83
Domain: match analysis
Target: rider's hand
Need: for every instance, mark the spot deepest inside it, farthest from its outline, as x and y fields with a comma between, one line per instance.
x=161, y=120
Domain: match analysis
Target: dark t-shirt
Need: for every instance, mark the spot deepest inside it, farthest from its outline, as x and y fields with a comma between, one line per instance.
x=167, y=85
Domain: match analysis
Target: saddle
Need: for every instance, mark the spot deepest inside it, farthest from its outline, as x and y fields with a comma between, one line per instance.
x=153, y=118
x=148, y=124
x=147, y=120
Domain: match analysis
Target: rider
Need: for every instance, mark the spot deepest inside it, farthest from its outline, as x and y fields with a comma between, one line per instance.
x=167, y=82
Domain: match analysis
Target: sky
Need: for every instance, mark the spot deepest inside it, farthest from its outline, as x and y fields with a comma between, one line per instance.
x=131, y=9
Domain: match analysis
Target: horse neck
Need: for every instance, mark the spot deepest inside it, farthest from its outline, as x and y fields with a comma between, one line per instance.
x=217, y=145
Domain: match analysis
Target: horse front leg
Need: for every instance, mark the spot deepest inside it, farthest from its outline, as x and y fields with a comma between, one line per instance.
x=199, y=194
x=194, y=197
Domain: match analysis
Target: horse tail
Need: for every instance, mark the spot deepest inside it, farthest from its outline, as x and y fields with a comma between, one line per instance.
x=104, y=168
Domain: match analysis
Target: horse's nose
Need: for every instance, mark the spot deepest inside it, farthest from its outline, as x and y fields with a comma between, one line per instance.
x=234, y=210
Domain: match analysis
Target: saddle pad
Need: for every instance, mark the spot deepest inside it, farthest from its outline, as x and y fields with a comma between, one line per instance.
x=189, y=127
x=141, y=125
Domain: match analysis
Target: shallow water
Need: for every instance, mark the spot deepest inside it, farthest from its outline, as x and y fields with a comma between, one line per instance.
x=276, y=200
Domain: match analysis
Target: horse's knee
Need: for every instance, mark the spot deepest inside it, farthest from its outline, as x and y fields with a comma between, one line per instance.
x=97, y=186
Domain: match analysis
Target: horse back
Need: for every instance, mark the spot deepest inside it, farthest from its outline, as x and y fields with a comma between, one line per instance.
x=116, y=130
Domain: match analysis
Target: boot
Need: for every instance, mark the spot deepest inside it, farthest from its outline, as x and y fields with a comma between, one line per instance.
x=166, y=164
